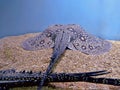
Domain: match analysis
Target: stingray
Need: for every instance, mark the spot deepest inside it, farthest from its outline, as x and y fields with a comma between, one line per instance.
x=62, y=37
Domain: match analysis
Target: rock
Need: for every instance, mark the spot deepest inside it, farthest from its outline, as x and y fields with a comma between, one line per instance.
x=13, y=56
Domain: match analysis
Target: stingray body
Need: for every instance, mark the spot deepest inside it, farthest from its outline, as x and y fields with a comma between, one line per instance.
x=60, y=37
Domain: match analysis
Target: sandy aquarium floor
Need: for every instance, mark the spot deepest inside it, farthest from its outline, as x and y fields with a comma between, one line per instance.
x=13, y=56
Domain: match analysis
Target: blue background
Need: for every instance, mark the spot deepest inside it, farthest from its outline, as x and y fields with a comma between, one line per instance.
x=99, y=17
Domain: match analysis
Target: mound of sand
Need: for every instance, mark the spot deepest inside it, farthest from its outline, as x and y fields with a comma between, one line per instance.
x=13, y=56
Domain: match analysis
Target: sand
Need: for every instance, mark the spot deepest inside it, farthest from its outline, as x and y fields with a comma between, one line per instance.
x=13, y=56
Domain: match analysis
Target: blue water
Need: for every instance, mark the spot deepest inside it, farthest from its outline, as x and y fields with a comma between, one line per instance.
x=99, y=17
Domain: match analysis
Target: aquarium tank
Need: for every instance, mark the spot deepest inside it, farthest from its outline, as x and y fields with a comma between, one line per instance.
x=99, y=17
